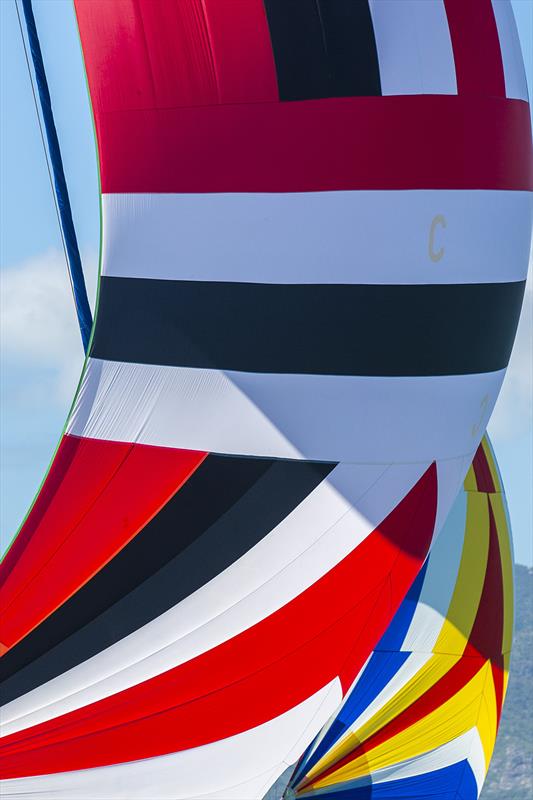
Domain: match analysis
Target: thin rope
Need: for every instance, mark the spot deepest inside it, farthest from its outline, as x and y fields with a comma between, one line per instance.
x=45, y=149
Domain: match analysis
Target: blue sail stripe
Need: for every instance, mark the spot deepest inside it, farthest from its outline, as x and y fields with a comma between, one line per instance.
x=449, y=783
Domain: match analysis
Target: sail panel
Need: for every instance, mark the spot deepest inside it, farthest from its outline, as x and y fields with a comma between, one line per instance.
x=87, y=490
x=420, y=61
x=476, y=48
x=242, y=608
x=256, y=756
x=319, y=145
x=297, y=328
x=426, y=708
x=225, y=508
x=338, y=418
x=482, y=235
x=237, y=674
x=513, y=66
x=189, y=137
x=323, y=49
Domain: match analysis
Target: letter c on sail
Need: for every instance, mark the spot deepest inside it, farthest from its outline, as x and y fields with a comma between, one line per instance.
x=436, y=255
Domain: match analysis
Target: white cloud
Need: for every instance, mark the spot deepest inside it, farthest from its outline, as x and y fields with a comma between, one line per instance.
x=38, y=325
x=512, y=416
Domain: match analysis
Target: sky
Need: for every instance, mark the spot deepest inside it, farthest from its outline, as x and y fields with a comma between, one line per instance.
x=40, y=345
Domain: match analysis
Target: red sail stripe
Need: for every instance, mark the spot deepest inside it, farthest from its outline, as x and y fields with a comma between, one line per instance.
x=185, y=99
x=97, y=496
x=476, y=47
x=493, y=467
x=141, y=54
x=482, y=471
x=242, y=51
x=412, y=142
x=70, y=448
x=252, y=677
x=486, y=636
x=212, y=715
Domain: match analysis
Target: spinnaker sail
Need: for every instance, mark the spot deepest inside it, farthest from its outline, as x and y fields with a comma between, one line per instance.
x=314, y=255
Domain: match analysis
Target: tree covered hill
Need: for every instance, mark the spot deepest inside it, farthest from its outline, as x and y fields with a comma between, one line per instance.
x=511, y=772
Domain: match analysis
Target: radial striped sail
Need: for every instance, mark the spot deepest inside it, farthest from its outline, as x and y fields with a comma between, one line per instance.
x=422, y=715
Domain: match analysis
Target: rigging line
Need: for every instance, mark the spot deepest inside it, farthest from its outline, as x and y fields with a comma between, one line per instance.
x=56, y=173
x=44, y=144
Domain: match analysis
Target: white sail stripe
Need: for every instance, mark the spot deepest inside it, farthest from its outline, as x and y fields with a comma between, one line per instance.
x=309, y=542
x=451, y=474
x=318, y=417
x=439, y=581
x=467, y=746
x=320, y=237
x=414, y=47
x=476, y=759
x=513, y=64
x=256, y=787
x=257, y=753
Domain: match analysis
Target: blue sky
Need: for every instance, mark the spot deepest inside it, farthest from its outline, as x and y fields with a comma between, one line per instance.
x=41, y=352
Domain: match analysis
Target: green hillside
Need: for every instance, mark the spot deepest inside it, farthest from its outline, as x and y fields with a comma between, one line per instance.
x=511, y=772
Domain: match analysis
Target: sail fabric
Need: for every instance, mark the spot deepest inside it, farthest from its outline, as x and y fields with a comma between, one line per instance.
x=477, y=233
x=233, y=651
x=313, y=260
x=422, y=715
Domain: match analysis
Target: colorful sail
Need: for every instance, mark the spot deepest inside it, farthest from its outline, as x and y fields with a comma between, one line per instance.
x=421, y=718
x=314, y=254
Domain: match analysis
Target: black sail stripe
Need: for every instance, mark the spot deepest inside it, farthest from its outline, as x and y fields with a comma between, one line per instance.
x=351, y=48
x=372, y=330
x=323, y=48
x=298, y=45
x=226, y=507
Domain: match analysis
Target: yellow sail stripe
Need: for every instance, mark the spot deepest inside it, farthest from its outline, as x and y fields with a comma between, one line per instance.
x=457, y=716
x=487, y=723
x=506, y=662
x=464, y=604
x=504, y=541
x=470, y=483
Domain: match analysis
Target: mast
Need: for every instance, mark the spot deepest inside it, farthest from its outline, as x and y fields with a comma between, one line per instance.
x=60, y=184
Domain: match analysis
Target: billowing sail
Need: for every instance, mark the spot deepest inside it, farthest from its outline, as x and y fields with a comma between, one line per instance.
x=421, y=718
x=316, y=226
